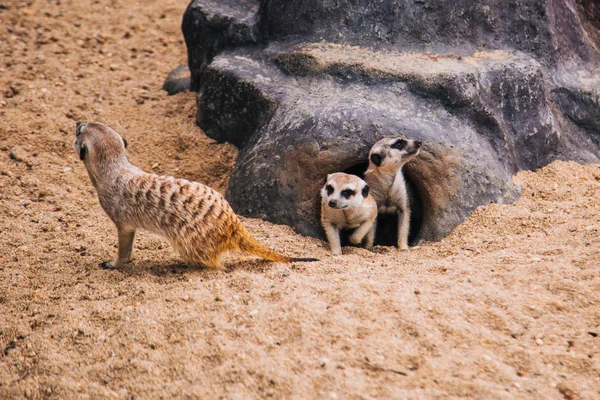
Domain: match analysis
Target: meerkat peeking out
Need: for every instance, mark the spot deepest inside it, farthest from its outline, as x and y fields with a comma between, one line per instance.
x=197, y=220
x=347, y=204
x=384, y=177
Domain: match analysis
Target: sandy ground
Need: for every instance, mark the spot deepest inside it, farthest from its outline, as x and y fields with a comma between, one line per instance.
x=506, y=307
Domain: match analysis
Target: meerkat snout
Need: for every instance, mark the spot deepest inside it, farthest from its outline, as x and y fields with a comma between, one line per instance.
x=347, y=204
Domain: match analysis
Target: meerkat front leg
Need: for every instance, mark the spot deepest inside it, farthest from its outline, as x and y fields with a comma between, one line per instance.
x=126, y=238
x=403, y=227
x=359, y=233
x=333, y=237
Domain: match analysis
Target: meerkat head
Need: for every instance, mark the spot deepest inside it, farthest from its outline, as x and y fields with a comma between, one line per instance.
x=96, y=144
x=393, y=151
x=343, y=190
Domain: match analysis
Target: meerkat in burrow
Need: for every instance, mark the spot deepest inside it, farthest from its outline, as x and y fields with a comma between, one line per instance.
x=384, y=177
x=347, y=204
x=197, y=220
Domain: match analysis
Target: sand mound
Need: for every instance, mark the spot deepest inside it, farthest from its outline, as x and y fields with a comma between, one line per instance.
x=505, y=307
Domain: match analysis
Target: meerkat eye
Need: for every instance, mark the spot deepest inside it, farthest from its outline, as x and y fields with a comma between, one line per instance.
x=329, y=189
x=399, y=144
x=348, y=193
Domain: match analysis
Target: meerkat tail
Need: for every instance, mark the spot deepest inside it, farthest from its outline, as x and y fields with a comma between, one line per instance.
x=250, y=245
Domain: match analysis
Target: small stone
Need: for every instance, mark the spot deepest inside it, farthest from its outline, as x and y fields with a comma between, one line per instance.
x=6, y=173
x=13, y=156
x=254, y=312
x=539, y=341
x=417, y=291
x=324, y=361
x=113, y=67
x=168, y=299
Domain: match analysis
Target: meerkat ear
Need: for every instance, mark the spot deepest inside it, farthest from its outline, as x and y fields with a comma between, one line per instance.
x=125, y=143
x=365, y=191
x=82, y=152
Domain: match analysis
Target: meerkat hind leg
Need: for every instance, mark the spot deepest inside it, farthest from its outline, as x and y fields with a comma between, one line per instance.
x=213, y=263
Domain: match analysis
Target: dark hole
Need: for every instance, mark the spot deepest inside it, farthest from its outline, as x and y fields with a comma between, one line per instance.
x=387, y=224
x=358, y=170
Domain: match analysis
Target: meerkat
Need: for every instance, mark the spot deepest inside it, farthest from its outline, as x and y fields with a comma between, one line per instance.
x=198, y=222
x=384, y=177
x=347, y=204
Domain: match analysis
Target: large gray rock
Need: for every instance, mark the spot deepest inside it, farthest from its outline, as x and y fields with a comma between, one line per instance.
x=305, y=88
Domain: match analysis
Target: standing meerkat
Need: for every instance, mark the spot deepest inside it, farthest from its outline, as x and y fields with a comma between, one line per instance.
x=198, y=221
x=347, y=204
x=384, y=176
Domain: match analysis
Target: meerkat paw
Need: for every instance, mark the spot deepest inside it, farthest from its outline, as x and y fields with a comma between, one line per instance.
x=403, y=247
x=355, y=240
x=107, y=265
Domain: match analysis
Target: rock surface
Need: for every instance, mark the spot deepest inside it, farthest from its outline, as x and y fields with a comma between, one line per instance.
x=178, y=80
x=304, y=88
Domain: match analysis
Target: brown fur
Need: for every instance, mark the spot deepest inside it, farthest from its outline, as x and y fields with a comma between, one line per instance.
x=197, y=220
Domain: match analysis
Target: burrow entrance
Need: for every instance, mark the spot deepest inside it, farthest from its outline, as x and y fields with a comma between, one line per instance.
x=387, y=224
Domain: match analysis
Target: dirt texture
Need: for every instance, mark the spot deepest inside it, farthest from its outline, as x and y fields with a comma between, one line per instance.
x=505, y=307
